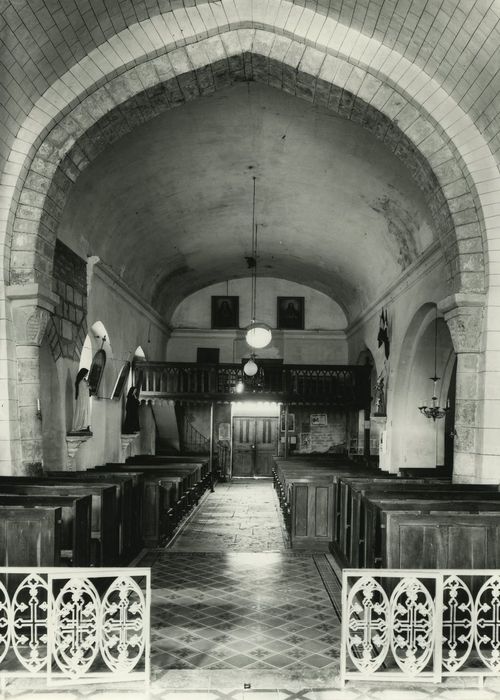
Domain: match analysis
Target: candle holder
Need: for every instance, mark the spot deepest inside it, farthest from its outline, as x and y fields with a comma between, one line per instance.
x=434, y=411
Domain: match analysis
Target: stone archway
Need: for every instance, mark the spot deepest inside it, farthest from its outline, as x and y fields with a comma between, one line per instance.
x=435, y=144
x=178, y=77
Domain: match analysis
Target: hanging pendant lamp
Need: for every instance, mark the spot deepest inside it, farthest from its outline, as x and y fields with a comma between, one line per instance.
x=258, y=334
x=434, y=411
x=250, y=368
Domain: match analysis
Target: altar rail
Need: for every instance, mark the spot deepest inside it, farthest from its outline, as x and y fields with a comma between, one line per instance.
x=339, y=385
x=420, y=625
x=75, y=626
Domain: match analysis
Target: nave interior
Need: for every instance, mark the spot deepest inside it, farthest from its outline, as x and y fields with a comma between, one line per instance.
x=246, y=603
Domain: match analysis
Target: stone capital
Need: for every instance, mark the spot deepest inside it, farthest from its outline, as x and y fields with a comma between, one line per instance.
x=31, y=306
x=464, y=315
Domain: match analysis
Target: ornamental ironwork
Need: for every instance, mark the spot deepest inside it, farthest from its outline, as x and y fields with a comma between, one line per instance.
x=399, y=624
x=74, y=624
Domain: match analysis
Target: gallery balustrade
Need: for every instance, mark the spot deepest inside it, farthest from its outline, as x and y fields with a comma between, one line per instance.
x=336, y=385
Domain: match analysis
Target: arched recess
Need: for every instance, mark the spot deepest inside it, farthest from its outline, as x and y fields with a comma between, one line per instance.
x=416, y=441
x=101, y=343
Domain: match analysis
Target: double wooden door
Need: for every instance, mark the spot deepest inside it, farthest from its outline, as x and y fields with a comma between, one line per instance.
x=255, y=443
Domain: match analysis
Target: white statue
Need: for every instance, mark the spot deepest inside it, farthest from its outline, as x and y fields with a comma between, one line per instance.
x=81, y=415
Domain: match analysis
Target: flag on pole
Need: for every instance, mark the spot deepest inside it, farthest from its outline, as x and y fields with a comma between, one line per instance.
x=383, y=333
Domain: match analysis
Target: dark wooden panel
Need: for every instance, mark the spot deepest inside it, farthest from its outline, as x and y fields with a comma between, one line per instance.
x=322, y=511
x=300, y=511
x=376, y=509
x=75, y=521
x=30, y=536
x=104, y=519
x=441, y=541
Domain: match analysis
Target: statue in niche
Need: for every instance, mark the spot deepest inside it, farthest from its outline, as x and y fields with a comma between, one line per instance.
x=81, y=415
x=131, y=423
x=380, y=396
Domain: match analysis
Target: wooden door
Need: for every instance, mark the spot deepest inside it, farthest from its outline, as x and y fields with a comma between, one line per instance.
x=255, y=443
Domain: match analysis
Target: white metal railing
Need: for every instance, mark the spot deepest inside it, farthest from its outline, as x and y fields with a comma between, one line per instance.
x=75, y=625
x=420, y=624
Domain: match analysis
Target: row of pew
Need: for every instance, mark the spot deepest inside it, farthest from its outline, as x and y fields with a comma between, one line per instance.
x=100, y=517
x=370, y=519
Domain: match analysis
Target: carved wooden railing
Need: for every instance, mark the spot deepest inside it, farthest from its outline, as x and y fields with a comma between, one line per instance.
x=338, y=385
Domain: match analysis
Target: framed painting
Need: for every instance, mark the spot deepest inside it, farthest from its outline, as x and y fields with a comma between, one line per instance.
x=96, y=372
x=319, y=419
x=225, y=312
x=291, y=313
x=120, y=381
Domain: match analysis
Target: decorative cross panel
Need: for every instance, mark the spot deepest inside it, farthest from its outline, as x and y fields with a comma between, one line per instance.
x=30, y=611
x=488, y=623
x=412, y=620
x=457, y=623
x=76, y=629
x=4, y=622
x=123, y=625
x=368, y=638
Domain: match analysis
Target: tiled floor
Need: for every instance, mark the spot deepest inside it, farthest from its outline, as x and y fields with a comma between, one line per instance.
x=236, y=615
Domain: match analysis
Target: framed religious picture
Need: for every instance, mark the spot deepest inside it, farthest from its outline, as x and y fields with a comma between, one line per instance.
x=225, y=312
x=291, y=313
x=291, y=422
x=120, y=381
x=96, y=371
x=319, y=419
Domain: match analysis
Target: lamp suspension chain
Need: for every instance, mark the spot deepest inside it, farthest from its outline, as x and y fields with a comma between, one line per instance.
x=254, y=255
x=258, y=334
x=434, y=411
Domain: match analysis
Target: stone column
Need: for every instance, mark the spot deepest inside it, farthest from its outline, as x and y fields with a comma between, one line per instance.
x=31, y=306
x=464, y=314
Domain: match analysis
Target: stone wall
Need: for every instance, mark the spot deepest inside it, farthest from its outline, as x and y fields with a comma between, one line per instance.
x=313, y=436
x=67, y=327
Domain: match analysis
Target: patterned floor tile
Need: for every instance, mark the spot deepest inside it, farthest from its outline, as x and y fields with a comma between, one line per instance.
x=237, y=615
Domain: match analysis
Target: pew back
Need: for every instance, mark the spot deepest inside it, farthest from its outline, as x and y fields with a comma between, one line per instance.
x=30, y=536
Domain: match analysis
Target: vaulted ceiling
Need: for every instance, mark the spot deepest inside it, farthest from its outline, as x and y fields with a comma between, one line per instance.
x=169, y=206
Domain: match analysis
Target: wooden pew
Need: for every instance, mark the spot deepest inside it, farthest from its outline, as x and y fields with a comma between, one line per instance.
x=164, y=460
x=159, y=514
x=168, y=493
x=354, y=491
x=441, y=540
x=124, y=503
x=376, y=517
x=289, y=472
x=30, y=536
x=104, y=520
x=136, y=479
x=311, y=504
x=75, y=522
x=186, y=478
